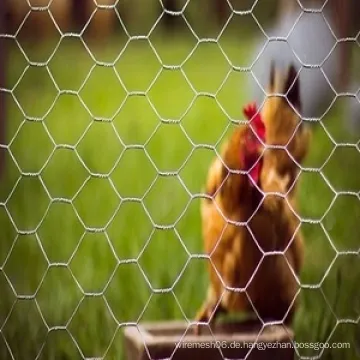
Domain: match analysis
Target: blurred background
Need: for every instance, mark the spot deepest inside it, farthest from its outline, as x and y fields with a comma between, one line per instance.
x=110, y=115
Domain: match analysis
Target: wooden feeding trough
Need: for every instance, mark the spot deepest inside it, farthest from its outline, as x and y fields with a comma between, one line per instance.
x=231, y=341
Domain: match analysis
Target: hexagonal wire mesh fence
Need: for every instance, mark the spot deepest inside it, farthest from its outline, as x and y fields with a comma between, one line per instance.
x=100, y=198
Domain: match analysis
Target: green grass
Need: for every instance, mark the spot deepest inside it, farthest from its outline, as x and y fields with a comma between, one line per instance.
x=66, y=232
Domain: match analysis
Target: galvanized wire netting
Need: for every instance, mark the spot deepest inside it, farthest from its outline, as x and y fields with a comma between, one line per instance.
x=92, y=173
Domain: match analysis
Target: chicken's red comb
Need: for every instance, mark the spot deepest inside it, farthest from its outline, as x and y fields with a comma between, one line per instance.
x=251, y=112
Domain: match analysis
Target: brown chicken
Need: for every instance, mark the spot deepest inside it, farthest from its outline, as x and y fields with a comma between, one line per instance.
x=246, y=218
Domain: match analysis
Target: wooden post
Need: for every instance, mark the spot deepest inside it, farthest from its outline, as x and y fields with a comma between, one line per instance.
x=221, y=11
x=231, y=341
x=80, y=13
x=170, y=5
x=341, y=12
x=170, y=22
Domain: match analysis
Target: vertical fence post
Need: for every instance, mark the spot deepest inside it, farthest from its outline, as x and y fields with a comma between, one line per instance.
x=80, y=13
x=169, y=21
x=341, y=11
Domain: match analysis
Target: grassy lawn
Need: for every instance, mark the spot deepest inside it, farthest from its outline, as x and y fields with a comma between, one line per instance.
x=89, y=198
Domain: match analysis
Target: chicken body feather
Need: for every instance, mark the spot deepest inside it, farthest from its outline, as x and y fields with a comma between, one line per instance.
x=251, y=233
